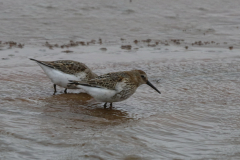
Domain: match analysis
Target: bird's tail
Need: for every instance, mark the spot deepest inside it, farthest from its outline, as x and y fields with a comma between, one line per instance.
x=41, y=62
x=81, y=83
x=33, y=59
x=74, y=82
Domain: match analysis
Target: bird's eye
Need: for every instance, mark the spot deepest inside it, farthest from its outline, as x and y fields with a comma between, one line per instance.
x=142, y=76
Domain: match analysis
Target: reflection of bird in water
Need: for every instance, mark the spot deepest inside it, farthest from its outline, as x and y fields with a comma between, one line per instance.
x=114, y=87
x=81, y=109
x=63, y=70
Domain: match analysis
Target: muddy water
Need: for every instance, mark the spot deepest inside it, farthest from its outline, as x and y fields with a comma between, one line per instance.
x=195, y=117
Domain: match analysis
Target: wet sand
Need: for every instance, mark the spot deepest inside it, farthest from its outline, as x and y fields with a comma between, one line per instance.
x=189, y=50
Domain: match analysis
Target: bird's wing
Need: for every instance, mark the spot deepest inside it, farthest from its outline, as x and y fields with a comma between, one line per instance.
x=109, y=81
x=66, y=66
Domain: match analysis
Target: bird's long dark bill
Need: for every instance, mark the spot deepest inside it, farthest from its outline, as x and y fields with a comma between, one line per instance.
x=150, y=84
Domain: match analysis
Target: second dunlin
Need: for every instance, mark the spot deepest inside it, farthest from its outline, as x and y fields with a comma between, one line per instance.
x=63, y=70
x=114, y=87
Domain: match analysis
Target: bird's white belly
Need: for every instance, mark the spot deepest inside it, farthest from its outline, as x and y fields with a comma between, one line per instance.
x=59, y=78
x=100, y=94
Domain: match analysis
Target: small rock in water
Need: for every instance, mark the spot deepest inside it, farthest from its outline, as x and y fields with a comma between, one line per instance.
x=128, y=47
x=103, y=49
x=67, y=51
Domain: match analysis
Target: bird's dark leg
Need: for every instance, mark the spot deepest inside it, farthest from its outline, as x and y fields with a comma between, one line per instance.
x=110, y=106
x=65, y=91
x=54, y=86
x=105, y=105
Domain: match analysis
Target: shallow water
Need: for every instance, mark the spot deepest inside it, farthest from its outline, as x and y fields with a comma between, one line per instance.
x=195, y=117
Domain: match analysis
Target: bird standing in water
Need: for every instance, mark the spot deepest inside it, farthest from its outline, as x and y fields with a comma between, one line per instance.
x=114, y=87
x=60, y=72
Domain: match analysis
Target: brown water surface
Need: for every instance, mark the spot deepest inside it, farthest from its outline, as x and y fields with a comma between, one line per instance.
x=195, y=117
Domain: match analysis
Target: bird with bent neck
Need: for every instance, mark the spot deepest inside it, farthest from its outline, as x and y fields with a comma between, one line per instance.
x=115, y=86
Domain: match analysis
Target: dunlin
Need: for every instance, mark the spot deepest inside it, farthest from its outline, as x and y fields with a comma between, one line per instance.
x=63, y=70
x=114, y=87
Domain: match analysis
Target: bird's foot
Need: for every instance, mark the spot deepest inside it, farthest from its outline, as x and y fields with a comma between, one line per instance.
x=54, y=86
x=110, y=106
x=65, y=91
x=105, y=105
